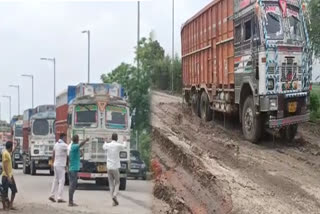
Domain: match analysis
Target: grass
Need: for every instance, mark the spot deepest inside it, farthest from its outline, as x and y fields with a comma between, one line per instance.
x=315, y=114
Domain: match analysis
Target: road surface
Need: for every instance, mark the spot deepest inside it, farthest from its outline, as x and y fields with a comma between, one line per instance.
x=207, y=168
x=34, y=192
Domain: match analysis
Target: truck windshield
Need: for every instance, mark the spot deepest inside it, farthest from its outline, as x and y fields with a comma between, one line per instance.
x=295, y=24
x=86, y=116
x=116, y=117
x=274, y=22
x=40, y=127
x=18, y=131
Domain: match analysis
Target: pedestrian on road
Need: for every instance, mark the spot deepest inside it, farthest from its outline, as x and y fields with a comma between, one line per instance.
x=74, y=166
x=113, y=165
x=59, y=158
x=7, y=177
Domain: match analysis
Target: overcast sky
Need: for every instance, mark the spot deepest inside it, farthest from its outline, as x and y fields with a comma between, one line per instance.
x=32, y=30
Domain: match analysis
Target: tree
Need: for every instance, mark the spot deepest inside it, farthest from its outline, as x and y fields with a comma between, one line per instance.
x=314, y=26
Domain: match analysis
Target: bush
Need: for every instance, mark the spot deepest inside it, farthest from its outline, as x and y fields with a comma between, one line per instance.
x=314, y=102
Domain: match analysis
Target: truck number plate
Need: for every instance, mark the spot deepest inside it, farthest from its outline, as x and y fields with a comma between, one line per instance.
x=102, y=168
x=292, y=107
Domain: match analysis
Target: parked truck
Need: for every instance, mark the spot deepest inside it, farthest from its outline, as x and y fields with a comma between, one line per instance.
x=17, y=136
x=38, y=138
x=252, y=59
x=95, y=111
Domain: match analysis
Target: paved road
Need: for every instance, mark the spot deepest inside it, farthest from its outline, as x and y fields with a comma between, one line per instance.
x=34, y=191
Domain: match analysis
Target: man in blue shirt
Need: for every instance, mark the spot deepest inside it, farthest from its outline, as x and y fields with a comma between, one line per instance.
x=74, y=166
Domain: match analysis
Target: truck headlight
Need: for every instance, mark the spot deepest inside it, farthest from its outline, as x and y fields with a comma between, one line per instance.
x=270, y=84
x=273, y=104
x=123, y=155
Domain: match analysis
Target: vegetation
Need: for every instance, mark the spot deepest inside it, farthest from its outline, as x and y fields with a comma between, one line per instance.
x=154, y=72
x=315, y=103
x=314, y=27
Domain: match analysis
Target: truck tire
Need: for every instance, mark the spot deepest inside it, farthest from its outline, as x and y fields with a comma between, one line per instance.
x=251, y=124
x=123, y=184
x=26, y=169
x=195, y=104
x=288, y=133
x=205, y=110
x=33, y=170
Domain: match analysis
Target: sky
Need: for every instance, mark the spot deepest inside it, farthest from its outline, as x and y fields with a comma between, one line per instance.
x=33, y=29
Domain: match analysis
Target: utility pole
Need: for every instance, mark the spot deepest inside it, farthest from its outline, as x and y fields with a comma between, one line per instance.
x=54, y=76
x=138, y=70
x=30, y=76
x=172, y=45
x=88, y=32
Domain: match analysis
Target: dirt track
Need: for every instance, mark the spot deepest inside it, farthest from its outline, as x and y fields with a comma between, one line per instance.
x=207, y=168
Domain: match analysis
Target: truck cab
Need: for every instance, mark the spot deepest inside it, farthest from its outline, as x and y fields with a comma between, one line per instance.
x=96, y=111
x=17, y=157
x=41, y=139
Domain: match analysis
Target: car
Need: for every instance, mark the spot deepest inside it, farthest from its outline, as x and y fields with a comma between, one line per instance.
x=138, y=168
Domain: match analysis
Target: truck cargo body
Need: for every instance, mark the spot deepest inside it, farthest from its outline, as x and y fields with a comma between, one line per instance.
x=95, y=111
x=39, y=128
x=251, y=58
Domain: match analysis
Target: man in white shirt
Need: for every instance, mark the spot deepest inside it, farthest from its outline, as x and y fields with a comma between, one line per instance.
x=59, y=158
x=113, y=164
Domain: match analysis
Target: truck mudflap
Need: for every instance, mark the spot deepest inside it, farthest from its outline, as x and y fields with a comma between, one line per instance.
x=86, y=175
x=277, y=123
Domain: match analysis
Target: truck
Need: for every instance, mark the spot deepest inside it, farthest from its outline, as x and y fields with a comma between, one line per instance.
x=38, y=138
x=250, y=59
x=95, y=111
x=17, y=136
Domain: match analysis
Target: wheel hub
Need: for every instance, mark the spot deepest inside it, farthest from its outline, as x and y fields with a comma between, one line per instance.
x=248, y=119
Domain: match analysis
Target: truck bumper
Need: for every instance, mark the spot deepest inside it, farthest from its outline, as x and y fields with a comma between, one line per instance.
x=277, y=123
x=92, y=176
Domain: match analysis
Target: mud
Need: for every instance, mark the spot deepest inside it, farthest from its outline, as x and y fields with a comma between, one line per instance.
x=214, y=170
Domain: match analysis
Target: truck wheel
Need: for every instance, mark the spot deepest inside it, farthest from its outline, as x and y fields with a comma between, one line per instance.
x=33, y=168
x=26, y=169
x=251, y=124
x=205, y=110
x=195, y=104
x=123, y=184
x=288, y=133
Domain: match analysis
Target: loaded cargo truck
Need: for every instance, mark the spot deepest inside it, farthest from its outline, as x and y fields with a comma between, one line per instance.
x=252, y=59
x=38, y=138
x=95, y=111
x=17, y=136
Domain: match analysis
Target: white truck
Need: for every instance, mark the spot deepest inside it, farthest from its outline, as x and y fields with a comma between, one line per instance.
x=41, y=140
x=95, y=111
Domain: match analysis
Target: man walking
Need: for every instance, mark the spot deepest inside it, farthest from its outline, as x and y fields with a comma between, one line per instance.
x=7, y=177
x=74, y=166
x=113, y=164
x=59, y=158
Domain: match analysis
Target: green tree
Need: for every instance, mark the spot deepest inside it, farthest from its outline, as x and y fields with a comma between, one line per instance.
x=314, y=26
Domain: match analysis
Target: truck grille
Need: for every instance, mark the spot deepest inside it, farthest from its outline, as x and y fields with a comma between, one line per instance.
x=95, y=150
x=290, y=71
